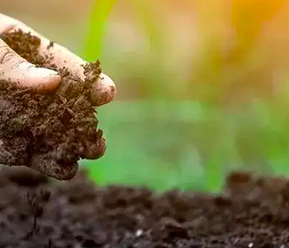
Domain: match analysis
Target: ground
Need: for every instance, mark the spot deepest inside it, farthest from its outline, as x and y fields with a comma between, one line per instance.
x=40, y=212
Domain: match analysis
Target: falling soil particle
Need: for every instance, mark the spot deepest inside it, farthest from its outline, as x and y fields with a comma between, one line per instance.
x=48, y=132
x=45, y=213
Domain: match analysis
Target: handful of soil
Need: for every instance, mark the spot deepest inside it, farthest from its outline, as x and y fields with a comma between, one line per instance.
x=48, y=132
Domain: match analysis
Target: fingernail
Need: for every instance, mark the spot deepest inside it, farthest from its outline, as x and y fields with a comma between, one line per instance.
x=106, y=80
x=42, y=79
x=41, y=72
x=104, y=91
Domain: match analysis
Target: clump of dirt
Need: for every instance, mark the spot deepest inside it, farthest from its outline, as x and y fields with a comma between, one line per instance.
x=252, y=212
x=49, y=132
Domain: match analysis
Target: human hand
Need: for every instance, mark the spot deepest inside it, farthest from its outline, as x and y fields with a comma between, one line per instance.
x=23, y=74
x=19, y=71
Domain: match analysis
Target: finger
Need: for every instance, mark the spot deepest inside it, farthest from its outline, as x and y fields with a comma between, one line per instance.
x=52, y=168
x=23, y=74
x=18, y=70
x=93, y=150
x=104, y=89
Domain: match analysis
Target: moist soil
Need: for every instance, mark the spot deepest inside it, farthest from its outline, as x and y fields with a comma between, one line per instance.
x=44, y=130
x=36, y=211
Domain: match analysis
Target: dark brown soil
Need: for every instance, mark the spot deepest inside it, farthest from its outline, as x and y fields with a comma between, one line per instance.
x=48, y=132
x=37, y=212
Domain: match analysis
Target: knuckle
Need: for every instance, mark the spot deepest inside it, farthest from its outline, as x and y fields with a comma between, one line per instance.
x=6, y=54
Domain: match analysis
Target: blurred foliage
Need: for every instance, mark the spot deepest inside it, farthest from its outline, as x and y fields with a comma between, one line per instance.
x=100, y=14
x=186, y=125
x=188, y=145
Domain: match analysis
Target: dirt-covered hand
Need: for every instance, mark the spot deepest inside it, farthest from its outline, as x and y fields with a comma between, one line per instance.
x=24, y=74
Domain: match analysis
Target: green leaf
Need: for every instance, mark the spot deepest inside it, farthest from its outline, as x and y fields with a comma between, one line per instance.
x=100, y=13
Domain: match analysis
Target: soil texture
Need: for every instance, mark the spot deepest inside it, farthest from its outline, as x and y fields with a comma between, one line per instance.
x=37, y=212
x=48, y=132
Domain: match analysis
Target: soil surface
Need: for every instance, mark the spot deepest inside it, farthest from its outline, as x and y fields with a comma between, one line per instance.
x=38, y=212
x=48, y=132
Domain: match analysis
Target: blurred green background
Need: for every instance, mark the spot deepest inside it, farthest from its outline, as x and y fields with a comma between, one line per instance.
x=203, y=86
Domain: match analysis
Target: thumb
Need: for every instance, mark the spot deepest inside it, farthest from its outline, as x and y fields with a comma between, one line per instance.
x=23, y=74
